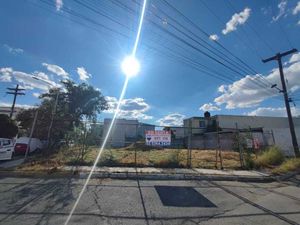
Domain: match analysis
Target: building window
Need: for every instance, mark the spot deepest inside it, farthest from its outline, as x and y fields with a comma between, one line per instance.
x=202, y=124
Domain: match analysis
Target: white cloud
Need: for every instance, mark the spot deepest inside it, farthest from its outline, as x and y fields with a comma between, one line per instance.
x=26, y=80
x=56, y=70
x=13, y=50
x=173, y=119
x=282, y=10
x=83, y=74
x=35, y=94
x=59, y=4
x=5, y=74
x=132, y=108
x=246, y=93
x=237, y=19
x=295, y=58
x=297, y=8
x=209, y=107
x=269, y=111
x=222, y=88
x=214, y=37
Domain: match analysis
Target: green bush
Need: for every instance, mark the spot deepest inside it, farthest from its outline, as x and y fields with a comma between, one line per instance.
x=288, y=166
x=272, y=156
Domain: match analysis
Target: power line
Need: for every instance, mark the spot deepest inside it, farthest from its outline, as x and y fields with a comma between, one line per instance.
x=252, y=28
x=207, y=35
x=97, y=24
x=218, y=54
x=253, y=50
x=188, y=44
x=278, y=57
x=228, y=67
x=280, y=27
x=269, y=84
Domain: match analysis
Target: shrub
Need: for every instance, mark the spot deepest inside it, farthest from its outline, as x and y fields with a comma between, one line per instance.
x=271, y=157
x=249, y=162
x=287, y=166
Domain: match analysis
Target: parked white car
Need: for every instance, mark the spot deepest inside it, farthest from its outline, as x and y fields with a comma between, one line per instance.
x=22, y=142
x=6, y=149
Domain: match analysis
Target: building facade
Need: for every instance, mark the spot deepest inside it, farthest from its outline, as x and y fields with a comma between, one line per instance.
x=125, y=132
x=265, y=130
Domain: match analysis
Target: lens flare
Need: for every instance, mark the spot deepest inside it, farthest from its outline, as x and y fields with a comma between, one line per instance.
x=130, y=66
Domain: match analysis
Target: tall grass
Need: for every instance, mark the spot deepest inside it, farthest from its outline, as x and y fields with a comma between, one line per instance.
x=287, y=166
x=270, y=157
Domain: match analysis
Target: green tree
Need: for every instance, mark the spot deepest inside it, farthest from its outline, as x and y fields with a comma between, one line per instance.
x=74, y=103
x=9, y=129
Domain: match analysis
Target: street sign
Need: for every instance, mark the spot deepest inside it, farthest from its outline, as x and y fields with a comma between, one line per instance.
x=158, y=137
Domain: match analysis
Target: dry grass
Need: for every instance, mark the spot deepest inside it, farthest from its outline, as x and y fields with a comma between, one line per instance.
x=288, y=166
x=150, y=157
x=273, y=156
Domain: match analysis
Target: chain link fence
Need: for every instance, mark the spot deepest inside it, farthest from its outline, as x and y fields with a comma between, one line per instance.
x=186, y=147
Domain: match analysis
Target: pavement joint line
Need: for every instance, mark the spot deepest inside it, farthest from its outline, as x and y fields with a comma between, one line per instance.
x=142, y=200
x=270, y=212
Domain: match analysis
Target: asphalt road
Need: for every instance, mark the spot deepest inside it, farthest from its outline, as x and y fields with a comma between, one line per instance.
x=48, y=201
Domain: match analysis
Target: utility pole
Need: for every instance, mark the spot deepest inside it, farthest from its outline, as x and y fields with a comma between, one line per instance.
x=278, y=57
x=16, y=91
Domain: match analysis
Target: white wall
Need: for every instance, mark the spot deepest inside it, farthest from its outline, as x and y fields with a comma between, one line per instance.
x=283, y=140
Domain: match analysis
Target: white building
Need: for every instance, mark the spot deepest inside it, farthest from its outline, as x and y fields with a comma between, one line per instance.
x=277, y=127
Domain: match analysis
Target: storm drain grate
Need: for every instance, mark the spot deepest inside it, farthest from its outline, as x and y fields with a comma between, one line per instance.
x=182, y=197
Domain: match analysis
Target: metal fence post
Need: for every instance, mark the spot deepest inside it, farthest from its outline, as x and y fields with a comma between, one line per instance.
x=239, y=145
x=219, y=147
x=189, y=146
x=274, y=143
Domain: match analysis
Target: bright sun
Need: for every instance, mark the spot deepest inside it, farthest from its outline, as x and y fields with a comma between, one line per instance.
x=130, y=66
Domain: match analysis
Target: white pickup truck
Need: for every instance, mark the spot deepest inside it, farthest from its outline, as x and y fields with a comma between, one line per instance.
x=6, y=149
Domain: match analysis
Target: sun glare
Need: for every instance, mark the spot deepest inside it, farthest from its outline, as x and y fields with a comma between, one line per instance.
x=130, y=66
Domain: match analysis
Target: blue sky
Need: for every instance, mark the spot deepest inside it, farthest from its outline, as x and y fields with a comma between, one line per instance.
x=41, y=38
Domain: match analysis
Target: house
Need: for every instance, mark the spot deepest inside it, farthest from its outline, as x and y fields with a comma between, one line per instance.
x=125, y=132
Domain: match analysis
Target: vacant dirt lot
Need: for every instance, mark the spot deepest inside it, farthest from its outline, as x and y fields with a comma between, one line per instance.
x=135, y=156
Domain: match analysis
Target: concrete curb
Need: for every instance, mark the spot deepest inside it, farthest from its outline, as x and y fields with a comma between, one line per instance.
x=286, y=176
x=136, y=175
x=153, y=176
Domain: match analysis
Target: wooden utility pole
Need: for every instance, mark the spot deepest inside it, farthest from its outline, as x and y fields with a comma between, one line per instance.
x=278, y=57
x=16, y=91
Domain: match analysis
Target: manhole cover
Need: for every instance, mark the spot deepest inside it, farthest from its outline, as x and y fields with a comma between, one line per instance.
x=182, y=197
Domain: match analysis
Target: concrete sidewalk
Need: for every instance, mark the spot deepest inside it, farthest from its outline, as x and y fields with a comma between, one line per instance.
x=170, y=174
